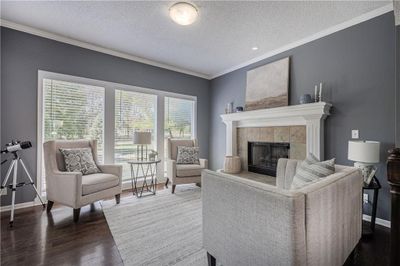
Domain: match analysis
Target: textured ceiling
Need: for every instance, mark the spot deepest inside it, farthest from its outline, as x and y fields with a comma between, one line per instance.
x=220, y=39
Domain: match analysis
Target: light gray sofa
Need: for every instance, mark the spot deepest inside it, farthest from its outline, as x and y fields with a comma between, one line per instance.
x=250, y=223
x=72, y=188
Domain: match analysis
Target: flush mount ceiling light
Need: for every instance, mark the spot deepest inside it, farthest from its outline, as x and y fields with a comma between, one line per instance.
x=255, y=48
x=183, y=13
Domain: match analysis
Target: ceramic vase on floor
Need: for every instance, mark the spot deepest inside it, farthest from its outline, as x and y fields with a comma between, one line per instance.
x=232, y=164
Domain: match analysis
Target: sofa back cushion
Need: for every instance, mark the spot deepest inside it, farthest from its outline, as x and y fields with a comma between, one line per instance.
x=311, y=170
x=285, y=172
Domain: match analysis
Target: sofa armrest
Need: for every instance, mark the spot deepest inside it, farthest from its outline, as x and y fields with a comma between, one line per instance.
x=113, y=169
x=250, y=223
x=65, y=188
x=203, y=163
x=333, y=217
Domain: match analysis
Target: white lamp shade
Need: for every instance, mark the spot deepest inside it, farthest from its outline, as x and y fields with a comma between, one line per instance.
x=364, y=151
x=142, y=137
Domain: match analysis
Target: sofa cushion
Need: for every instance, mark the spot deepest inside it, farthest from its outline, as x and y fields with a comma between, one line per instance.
x=98, y=182
x=186, y=170
x=79, y=160
x=311, y=170
x=188, y=155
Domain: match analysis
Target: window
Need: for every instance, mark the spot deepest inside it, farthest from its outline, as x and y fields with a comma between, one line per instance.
x=134, y=111
x=73, y=111
x=179, y=119
x=80, y=108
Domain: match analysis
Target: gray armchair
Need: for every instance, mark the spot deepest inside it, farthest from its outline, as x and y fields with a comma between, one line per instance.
x=72, y=188
x=183, y=173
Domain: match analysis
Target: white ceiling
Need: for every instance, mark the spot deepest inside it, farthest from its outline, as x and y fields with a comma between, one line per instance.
x=220, y=40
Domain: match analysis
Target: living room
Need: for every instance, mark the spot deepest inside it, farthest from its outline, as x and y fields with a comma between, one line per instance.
x=200, y=132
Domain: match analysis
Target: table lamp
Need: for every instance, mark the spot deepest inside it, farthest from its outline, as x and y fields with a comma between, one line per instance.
x=365, y=155
x=141, y=139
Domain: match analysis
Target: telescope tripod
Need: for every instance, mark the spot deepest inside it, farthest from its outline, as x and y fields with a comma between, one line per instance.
x=14, y=185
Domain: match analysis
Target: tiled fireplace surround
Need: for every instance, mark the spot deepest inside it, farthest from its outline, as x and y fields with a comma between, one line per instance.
x=300, y=125
x=295, y=135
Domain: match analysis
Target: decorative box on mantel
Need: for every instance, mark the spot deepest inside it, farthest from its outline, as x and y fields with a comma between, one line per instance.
x=311, y=115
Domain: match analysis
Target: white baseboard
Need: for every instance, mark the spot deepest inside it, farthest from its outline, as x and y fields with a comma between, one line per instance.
x=35, y=202
x=379, y=221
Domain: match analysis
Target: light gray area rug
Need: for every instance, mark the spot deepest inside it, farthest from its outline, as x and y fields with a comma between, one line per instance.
x=164, y=229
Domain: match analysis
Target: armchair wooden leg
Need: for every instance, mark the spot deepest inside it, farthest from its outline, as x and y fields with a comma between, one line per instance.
x=49, y=205
x=117, y=198
x=173, y=189
x=211, y=260
x=76, y=214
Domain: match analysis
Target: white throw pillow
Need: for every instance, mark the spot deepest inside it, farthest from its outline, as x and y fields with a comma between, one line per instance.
x=188, y=155
x=311, y=170
x=80, y=160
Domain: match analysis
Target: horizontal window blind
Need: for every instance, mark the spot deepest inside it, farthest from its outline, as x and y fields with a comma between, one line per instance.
x=178, y=121
x=134, y=111
x=178, y=118
x=73, y=111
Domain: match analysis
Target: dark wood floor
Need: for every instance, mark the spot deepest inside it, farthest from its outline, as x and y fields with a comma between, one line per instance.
x=38, y=238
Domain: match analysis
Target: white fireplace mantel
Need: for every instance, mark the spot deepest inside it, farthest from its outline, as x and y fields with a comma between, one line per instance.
x=311, y=115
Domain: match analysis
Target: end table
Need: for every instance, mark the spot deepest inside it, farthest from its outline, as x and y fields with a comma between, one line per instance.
x=375, y=186
x=149, y=171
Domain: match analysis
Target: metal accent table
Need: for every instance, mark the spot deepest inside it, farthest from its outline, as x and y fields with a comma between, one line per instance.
x=375, y=186
x=149, y=171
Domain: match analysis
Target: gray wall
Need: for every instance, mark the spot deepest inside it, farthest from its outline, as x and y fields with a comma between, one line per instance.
x=24, y=54
x=357, y=66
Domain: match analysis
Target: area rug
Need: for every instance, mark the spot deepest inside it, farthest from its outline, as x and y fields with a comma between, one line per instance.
x=164, y=229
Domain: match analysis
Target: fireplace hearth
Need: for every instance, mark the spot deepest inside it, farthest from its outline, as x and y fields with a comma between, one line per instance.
x=263, y=156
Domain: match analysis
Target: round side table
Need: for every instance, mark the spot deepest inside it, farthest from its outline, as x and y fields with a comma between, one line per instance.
x=149, y=171
x=375, y=186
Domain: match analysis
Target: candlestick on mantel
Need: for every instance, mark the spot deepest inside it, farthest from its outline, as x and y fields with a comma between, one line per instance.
x=320, y=92
x=315, y=94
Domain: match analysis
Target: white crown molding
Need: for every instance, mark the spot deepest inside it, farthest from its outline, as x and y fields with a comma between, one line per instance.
x=60, y=38
x=318, y=35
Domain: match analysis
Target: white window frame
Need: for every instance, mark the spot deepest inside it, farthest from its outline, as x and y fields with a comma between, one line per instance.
x=109, y=117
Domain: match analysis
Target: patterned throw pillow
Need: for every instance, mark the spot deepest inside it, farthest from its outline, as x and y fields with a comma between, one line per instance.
x=312, y=170
x=188, y=155
x=80, y=160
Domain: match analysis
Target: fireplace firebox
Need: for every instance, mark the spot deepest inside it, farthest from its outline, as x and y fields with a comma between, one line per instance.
x=263, y=156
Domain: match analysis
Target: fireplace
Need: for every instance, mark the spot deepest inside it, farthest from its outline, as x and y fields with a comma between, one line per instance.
x=263, y=156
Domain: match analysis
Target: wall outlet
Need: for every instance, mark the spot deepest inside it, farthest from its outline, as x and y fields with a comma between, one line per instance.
x=355, y=134
x=365, y=198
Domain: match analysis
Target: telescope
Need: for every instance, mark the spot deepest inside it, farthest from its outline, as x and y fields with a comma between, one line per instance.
x=14, y=146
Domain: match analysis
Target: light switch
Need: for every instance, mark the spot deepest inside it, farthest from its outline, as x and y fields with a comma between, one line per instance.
x=355, y=134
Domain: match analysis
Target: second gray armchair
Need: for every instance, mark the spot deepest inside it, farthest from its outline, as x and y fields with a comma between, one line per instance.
x=183, y=173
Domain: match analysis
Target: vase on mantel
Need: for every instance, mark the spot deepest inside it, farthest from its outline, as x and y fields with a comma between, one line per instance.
x=232, y=164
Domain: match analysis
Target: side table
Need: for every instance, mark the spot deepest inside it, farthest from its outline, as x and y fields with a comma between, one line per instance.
x=375, y=186
x=149, y=171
